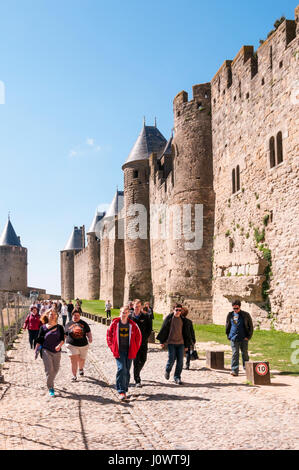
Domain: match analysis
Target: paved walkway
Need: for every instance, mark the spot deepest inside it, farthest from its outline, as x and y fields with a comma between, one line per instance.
x=212, y=410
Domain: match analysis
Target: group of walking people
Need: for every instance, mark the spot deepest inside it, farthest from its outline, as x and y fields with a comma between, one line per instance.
x=127, y=338
x=47, y=337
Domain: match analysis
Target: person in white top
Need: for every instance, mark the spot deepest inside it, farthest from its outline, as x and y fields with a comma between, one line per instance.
x=108, y=306
x=64, y=313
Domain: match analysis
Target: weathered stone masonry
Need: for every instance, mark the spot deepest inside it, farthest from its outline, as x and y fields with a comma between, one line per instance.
x=235, y=150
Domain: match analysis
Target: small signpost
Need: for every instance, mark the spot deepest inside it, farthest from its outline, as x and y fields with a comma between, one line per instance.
x=258, y=373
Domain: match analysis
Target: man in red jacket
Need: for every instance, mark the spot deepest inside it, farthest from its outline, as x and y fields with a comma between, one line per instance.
x=124, y=339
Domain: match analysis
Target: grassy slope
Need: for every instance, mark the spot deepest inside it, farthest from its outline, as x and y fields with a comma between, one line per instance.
x=272, y=346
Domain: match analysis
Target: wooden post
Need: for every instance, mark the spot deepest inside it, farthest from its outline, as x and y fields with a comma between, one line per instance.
x=215, y=359
x=151, y=338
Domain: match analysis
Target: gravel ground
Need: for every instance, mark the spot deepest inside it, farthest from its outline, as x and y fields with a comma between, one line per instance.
x=211, y=410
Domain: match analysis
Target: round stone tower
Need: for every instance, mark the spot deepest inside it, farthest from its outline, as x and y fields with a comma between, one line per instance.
x=75, y=244
x=138, y=283
x=93, y=269
x=13, y=261
x=190, y=260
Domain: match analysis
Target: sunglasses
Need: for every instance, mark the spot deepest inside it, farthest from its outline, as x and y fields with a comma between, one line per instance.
x=236, y=308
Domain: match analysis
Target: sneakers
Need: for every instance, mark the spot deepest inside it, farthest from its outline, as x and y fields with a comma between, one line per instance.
x=235, y=374
x=81, y=372
x=187, y=367
x=178, y=381
x=74, y=379
x=51, y=392
x=167, y=375
x=138, y=385
x=122, y=396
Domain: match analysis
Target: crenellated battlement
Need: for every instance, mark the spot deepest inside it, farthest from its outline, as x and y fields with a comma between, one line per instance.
x=199, y=92
x=248, y=63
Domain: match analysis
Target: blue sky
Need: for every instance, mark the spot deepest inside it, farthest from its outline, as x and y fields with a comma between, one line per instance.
x=79, y=77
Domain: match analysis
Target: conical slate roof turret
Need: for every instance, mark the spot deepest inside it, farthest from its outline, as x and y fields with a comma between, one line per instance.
x=98, y=216
x=116, y=205
x=9, y=236
x=167, y=150
x=76, y=240
x=150, y=140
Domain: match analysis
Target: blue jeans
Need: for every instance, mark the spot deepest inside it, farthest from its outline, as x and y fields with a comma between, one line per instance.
x=236, y=345
x=123, y=372
x=175, y=352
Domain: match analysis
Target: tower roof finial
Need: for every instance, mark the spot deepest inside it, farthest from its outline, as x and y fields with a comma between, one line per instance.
x=155, y=121
x=144, y=120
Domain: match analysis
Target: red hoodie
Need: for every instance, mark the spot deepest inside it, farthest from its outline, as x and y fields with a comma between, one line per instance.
x=135, y=338
x=32, y=322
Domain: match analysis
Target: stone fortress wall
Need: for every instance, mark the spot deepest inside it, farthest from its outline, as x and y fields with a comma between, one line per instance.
x=255, y=117
x=235, y=151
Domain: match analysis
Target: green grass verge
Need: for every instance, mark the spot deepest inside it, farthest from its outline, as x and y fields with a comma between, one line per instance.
x=273, y=346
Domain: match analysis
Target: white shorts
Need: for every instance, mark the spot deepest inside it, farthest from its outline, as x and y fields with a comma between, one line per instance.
x=77, y=350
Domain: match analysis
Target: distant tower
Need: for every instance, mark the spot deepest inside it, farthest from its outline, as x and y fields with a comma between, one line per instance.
x=112, y=261
x=138, y=282
x=75, y=244
x=190, y=272
x=13, y=261
x=93, y=269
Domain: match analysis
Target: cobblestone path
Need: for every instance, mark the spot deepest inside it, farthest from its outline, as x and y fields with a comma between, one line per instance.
x=211, y=410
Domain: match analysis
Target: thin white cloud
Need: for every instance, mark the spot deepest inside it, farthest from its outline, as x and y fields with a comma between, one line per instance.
x=87, y=148
x=90, y=142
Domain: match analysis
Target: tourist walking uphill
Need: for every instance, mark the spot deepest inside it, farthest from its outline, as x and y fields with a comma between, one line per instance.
x=33, y=324
x=239, y=330
x=64, y=312
x=176, y=334
x=143, y=320
x=70, y=308
x=78, y=335
x=51, y=339
x=124, y=339
x=108, y=307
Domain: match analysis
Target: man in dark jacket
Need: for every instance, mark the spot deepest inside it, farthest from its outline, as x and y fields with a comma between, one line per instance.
x=70, y=308
x=239, y=330
x=176, y=333
x=145, y=325
x=192, y=334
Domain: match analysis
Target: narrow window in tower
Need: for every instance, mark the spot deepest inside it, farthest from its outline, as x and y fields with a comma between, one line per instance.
x=234, y=181
x=229, y=77
x=279, y=147
x=271, y=57
x=272, y=152
x=135, y=174
x=238, y=178
x=219, y=84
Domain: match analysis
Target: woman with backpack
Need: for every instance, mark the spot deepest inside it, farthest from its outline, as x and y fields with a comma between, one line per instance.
x=33, y=324
x=50, y=339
